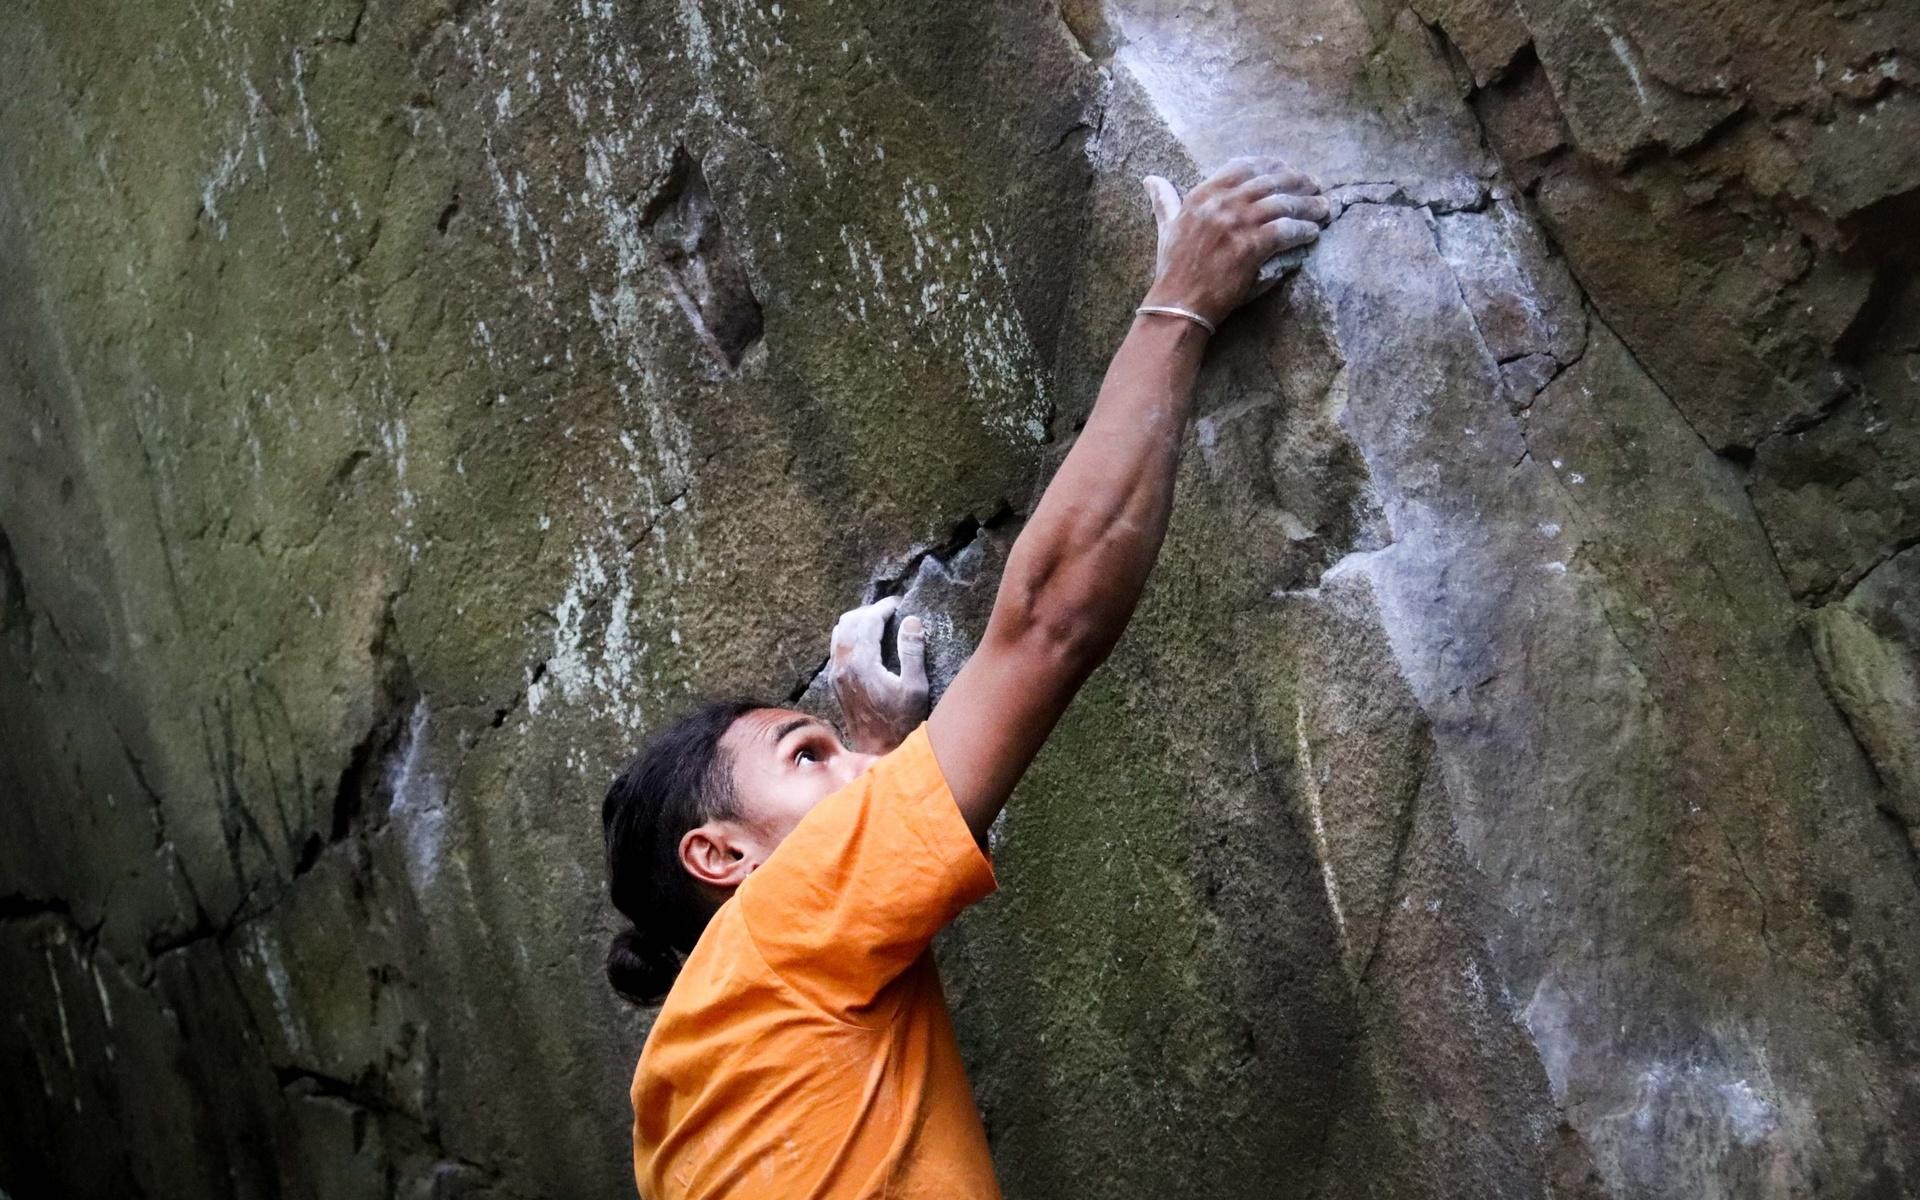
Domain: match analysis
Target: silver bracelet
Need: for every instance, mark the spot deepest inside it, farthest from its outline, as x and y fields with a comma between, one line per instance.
x=1169, y=310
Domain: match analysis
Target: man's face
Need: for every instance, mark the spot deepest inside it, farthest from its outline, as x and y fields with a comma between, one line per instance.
x=784, y=763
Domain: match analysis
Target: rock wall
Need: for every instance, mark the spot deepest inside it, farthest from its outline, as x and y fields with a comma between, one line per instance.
x=1509, y=786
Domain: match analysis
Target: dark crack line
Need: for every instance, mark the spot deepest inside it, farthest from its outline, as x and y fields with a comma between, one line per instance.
x=1466, y=304
x=175, y=592
x=1845, y=587
x=506, y=710
x=351, y=37
x=235, y=817
x=1097, y=115
x=1632, y=659
x=200, y=926
x=1066, y=133
x=965, y=532
x=805, y=681
x=1795, y=425
x=1740, y=862
x=1482, y=201
x=1903, y=831
x=1586, y=299
x=312, y=1082
x=653, y=522
x=1499, y=376
x=156, y=807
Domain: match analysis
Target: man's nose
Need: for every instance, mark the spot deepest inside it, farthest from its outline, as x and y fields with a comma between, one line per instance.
x=856, y=763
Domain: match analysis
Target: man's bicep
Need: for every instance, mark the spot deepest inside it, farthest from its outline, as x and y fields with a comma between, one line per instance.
x=994, y=718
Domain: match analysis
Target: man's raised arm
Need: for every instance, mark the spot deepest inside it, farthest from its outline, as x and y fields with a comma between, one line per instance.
x=1076, y=571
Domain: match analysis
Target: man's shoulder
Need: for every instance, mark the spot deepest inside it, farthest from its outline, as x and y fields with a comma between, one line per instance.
x=723, y=965
x=728, y=993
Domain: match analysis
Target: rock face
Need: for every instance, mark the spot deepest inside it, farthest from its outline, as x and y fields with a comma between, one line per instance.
x=1510, y=785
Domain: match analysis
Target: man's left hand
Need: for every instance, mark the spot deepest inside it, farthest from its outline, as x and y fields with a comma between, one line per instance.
x=880, y=707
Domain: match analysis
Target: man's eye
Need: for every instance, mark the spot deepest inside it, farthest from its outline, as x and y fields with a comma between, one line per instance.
x=804, y=754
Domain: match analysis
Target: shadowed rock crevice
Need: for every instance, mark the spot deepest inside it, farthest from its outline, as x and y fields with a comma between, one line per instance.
x=698, y=265
x=960, y=569
x=943, y=554
x=1879, y=236
x=16, y=907
x=364, y=793
x=16, y=623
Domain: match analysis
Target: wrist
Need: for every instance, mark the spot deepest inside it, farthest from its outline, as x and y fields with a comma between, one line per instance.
x=1165, y=295
x=1180, y=333
x=880, y=732
x=1175, y=311
x=878, y=741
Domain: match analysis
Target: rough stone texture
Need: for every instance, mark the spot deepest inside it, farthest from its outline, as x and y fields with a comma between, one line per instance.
x=1507, y=786
x=1869, y=650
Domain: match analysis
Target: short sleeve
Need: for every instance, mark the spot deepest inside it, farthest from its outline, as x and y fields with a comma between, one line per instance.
x=856, y=892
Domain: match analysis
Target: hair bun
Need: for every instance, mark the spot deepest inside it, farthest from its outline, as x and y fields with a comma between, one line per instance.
x=641, y=967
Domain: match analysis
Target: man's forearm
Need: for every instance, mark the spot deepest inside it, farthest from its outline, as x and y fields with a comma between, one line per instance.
x=1083, y=559
x=1076, y=572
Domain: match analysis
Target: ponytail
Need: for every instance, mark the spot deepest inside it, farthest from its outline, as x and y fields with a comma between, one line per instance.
x=641, y=966
x=679, y=780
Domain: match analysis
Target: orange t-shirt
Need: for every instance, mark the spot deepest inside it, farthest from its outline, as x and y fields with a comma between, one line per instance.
x=805, y=1049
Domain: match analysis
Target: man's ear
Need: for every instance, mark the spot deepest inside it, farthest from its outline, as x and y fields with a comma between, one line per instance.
x=713, y=854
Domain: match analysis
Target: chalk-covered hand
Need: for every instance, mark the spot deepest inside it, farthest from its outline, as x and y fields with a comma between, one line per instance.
x=880, y=708
x=1212, y=244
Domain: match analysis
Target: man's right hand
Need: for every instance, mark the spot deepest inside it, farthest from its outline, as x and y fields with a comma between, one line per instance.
x=1211, y=246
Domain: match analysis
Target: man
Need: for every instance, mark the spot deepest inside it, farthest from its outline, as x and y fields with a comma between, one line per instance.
x=804, y=1048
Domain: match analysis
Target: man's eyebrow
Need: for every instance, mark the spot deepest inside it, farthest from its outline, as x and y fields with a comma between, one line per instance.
x=781, y=730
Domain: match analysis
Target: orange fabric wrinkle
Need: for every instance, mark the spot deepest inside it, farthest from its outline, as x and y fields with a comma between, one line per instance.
x=806, y=1049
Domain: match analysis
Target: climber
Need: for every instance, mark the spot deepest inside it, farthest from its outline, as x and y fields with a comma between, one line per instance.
x=804, y=1047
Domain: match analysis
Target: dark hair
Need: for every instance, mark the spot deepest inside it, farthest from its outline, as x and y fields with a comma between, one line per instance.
x=679, y=779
